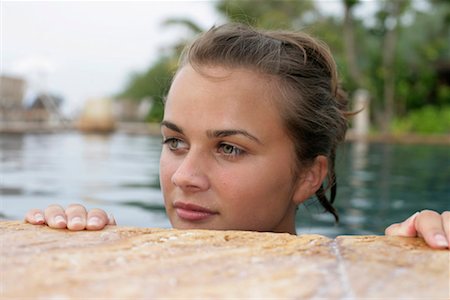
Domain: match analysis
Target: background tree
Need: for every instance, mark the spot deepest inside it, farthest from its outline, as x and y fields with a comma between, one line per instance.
x=400, y=52
x=154, y=83
x=270, y=13
x=389, y=16
x=350, y=45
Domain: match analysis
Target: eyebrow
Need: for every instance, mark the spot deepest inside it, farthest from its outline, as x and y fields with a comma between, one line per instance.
x=214, y=133
x=231, y=132
x=171, y=126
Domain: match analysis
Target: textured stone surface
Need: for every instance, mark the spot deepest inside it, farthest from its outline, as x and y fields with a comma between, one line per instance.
x=119, y=262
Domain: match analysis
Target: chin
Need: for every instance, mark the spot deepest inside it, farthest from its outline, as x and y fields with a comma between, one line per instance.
x=183, y=225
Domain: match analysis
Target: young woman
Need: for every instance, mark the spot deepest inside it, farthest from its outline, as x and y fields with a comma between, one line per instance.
x=251, y=126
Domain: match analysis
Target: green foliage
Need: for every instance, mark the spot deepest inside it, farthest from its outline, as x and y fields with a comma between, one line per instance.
x=268, y=13
x=426, y=120
x=154, y=83
x=157, y=112
x=351, y=3
x=422, y=45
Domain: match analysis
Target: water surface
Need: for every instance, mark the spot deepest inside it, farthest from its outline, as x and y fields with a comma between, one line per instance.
x=378, y=184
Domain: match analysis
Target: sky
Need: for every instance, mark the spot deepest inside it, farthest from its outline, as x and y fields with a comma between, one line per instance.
x=82, y=50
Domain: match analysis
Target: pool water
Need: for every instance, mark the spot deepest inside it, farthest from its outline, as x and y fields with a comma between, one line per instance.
x=378, y=184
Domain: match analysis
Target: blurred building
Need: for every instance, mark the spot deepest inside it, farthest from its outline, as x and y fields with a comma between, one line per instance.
x=97, y=116
x=12, y=91
x=126, y=110
x=44, y=108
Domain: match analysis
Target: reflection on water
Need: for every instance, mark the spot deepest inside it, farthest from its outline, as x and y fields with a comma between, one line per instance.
x=378, y=184
x=116, y=172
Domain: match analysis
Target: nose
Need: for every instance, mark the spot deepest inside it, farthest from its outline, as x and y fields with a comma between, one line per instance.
x=190, y=175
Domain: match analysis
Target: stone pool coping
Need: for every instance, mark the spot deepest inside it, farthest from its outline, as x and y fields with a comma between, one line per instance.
x=147, y=263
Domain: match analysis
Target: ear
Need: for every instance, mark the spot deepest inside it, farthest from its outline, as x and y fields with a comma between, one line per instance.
x=311, y=179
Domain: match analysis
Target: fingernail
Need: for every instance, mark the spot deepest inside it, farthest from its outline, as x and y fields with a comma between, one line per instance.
x=411, y=219
x=59, y=220
x=94, y=221
x=110, y=218
x=38, y=218
x=75, y=220
x=440, y=240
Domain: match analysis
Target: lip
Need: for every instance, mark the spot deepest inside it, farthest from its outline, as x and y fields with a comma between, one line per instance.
x=192, y=212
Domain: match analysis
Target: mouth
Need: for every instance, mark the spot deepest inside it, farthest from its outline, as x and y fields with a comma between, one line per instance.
x=192, y=212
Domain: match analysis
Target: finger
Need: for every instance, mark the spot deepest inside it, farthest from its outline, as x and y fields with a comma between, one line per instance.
x=35, y=216
x=55, y=216
x=406, y=228
x=76, y=216
x=446, y=224
x=111, y=220
x=430, y=224
x=97, y=219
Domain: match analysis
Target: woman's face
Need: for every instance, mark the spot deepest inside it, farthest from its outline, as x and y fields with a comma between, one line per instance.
x=226, y=161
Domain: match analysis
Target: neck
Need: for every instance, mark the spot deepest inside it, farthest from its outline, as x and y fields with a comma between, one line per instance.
x=287, y=224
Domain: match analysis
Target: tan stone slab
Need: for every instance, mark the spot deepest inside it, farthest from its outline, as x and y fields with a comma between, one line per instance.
x=393, y=267
x=119, y=262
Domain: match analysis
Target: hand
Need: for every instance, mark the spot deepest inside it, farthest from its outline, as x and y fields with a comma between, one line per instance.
x=432, y=226
x=74, y=217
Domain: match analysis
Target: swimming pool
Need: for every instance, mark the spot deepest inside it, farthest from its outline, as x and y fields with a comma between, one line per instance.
x=377, y=183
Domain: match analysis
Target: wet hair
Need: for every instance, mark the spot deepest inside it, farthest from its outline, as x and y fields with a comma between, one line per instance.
x=313, y=107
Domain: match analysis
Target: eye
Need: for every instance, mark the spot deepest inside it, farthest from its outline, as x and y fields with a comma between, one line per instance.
x=230, y=150
x=174, y=143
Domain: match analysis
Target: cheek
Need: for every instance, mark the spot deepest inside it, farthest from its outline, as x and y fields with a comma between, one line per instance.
x=250, y=188
x=167, y=168
x=259, y=201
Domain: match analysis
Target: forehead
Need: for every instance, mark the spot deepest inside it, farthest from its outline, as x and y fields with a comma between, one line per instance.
x=216, y=88
x=219, y=98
